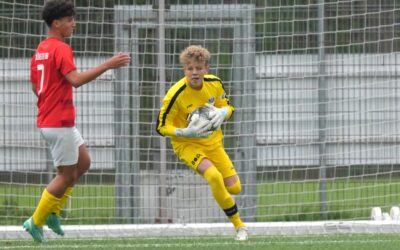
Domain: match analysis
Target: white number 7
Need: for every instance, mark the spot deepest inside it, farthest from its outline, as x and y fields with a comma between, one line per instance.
x=41, y=68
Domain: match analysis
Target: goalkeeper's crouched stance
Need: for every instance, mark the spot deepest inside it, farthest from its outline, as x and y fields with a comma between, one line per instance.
x=199, y=143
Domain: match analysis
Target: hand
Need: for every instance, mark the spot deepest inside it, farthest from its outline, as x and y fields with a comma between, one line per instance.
x=197, y=128
x=217, y=115
x=118, y=60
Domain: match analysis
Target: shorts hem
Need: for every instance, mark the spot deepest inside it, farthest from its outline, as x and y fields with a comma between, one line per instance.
x=62, y=164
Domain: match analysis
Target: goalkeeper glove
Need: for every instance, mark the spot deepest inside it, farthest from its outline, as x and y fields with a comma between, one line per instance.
x=217, y=115
x=197, y=128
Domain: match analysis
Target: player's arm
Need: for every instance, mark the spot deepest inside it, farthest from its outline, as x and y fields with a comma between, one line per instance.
x=164, y=126
x=78, y=79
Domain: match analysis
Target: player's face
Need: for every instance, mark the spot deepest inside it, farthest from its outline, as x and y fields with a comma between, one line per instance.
x=194, y=72
x=66, y=26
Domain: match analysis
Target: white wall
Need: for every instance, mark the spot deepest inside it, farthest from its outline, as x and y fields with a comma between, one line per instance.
x=362, y=103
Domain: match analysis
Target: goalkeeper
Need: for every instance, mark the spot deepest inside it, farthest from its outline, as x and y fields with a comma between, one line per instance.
x=198, y=147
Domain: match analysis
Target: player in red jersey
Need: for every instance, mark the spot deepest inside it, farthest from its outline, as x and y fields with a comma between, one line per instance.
x=53, y=76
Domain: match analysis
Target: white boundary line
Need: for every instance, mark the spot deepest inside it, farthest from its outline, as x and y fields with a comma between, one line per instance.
x=210, y=229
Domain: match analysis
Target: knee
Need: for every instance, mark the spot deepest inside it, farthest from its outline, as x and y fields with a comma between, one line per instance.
x=236, y=188
x=68, y=175
x=68, y=179
x=212, y=175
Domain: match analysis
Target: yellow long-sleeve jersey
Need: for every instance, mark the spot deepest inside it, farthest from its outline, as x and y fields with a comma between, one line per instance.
x=181, y=100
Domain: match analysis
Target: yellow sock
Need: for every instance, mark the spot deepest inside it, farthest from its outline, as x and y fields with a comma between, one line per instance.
x=44, y=208
x=216, y=182
x=63, y=200
x=236, y=221
x=222, y=196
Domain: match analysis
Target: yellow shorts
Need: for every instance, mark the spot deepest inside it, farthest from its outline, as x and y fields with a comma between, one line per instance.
x=192, y=154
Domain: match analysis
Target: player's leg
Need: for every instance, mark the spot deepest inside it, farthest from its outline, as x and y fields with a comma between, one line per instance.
x=63, y=144
x=222, y=196
x=225, y=166
x=216, y=182
x=61, y=184
x=53, y=221
x=195, y=158
x=48, y=202
x=81, y=168
x=232, y=184
x=82, y=165
x=84, y=161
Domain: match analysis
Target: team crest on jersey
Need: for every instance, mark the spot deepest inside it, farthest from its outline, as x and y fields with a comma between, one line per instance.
x=211, y=100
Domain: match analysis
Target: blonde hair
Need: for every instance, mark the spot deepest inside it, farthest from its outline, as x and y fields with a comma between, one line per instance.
x=196, y=53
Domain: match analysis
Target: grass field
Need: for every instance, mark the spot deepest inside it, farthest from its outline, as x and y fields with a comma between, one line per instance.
x=279, y=201
x=327, y=242
x=346, y=199
x=282, y=201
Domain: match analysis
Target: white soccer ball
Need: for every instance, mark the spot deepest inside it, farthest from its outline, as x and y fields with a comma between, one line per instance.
x=200, y=113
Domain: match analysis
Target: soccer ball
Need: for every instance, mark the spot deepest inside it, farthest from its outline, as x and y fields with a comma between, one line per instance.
x=202, y=113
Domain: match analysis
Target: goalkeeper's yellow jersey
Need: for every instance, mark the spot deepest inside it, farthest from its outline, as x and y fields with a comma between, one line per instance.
x=181, y=100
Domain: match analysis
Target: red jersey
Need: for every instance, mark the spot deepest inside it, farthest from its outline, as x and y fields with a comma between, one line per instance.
x=52, y=60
